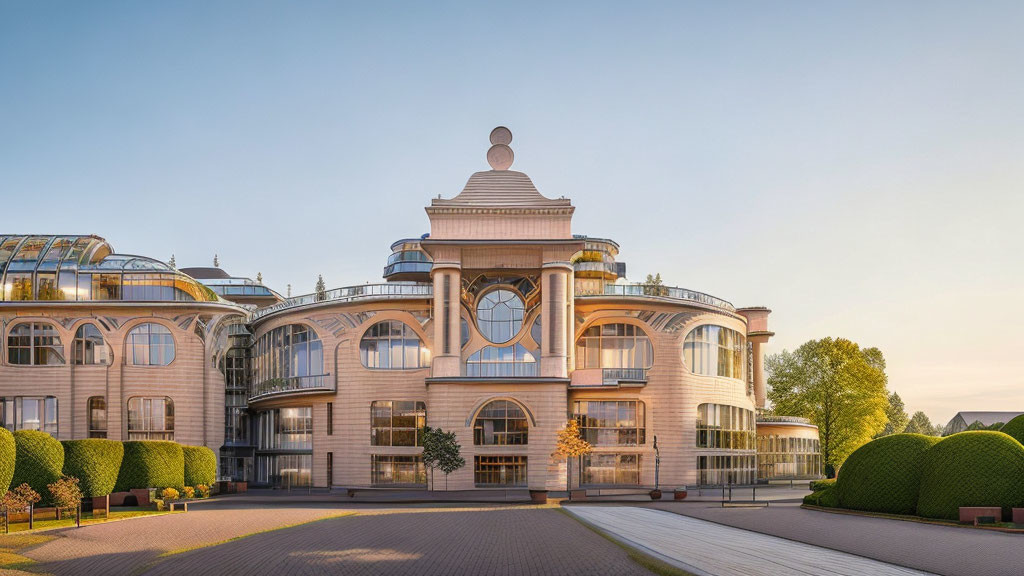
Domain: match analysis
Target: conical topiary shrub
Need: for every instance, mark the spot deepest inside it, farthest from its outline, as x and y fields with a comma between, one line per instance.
x=95, y=462
x=38, y=462
x=884, y=475
x=976, y=468
x=1015, y=428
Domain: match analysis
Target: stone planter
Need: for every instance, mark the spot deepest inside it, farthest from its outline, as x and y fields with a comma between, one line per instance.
x=655, y=494
x=101, y=504
x=141, y=495
x=679, y=495
x=578, y=495
x=539, y=496
x=1018, y=515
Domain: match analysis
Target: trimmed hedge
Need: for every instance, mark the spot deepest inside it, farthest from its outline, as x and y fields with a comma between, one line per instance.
x=818, y=485
x=95, y=462
x=151, y=464
x=1015, y=428
x=38, y=462
x=825, y=497
x=8, y=452
x=977, y=468
x=200, y=465
x=884, y=475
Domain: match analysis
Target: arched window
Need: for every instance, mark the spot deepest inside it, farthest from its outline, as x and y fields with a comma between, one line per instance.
x=35, y=344
x=712, y=350
x=88, y=347
x=97, y=417
x=499, y=315
x=287, y=352
x=503, y=362
x=150, y=418
x=393, y=345
x=501, y=423
x=149, y=344
x=614, y=346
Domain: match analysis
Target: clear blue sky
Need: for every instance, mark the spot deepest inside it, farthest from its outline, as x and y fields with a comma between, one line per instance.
x=856, y=167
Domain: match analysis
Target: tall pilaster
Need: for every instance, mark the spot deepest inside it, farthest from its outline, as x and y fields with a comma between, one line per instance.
x=446, y=359
x=556, y=279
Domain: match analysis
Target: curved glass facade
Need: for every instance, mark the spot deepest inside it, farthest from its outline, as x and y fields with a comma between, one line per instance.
x=725, y=427
x=149, y=345
x=83, y=268
x=288, y=352
x=783, y=457
x=499, y=315
x=284, y=446
x=711, y=350
x=614, y=346
x=393, y=345
x=502, y=362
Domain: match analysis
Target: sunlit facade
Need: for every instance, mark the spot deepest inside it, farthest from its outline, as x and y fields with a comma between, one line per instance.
x=499, y=325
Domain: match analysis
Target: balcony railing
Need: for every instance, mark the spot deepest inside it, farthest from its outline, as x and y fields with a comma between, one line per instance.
x=278, y=386
x=783, y=419
x=605, y=268
x=650, y=290
x=386, y=291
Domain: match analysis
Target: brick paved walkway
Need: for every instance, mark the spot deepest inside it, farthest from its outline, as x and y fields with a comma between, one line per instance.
x=946, y=550
x=477, y=542
x=118, y=547
x=428, y=539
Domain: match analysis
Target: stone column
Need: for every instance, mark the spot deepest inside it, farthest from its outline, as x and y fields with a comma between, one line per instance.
x=760, y=390
x=555, y=280
x=446, y=353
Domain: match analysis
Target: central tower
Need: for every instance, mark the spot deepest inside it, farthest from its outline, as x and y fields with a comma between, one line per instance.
x=501, y=249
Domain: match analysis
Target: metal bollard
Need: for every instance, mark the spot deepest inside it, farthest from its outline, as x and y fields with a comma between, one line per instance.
x=78, y=515
x=31, y=515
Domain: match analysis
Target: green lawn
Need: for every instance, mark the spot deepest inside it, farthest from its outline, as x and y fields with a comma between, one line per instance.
x=87, y=518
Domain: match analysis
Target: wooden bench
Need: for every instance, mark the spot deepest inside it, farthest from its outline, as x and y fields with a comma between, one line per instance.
x=970, y=514
x=184, y=506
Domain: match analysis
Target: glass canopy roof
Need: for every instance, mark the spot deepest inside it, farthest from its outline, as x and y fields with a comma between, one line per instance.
x=84, y=268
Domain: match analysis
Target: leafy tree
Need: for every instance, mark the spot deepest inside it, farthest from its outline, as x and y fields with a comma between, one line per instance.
x=920, y=424
x=449, y=454
x=896, y=415
x=431, y=455
x=321, y=288
x=19, y=498
x=570, y=444
x=838, y=385
x=653, y=286
x=65, y=494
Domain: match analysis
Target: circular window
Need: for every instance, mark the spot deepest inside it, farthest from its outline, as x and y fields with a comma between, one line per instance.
x=499, y=315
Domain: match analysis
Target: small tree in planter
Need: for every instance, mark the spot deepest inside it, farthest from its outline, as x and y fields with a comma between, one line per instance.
x=570, y=444
x=18, y=500
x=449, y=454
x=66, y=494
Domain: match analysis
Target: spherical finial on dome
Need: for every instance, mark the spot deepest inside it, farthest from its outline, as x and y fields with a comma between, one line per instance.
x=501, y=135
x=500, y=156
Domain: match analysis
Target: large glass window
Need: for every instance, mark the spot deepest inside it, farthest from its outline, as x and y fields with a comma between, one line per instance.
x=715, y=351
x=611, y=422
x=285, y=470
x=292, y=351
x=398, y=470
x=97, y=417
x=35, y=344
x=782, y=457
x=499, y=470
x=499, y=315
x=725, y=427
x=29, y=413
x=396, y=423
x=721, y=469
x=393, y=345
x=149, y=344
x=614, y=346
x=611, y=469
x=285, y=429
x=503, y=362
x=88, y=347
x=501, y=422
x=150, y=418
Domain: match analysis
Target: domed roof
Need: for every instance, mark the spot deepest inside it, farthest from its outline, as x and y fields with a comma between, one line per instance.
x=500, y=188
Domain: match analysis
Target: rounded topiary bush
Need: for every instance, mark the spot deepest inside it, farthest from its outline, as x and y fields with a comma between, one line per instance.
x=38, y=461
x=8, y=452
x=1015, y=428
x=977, y=468
x=95, y=462
x=151, y=464
x=200, y=465
x=884, y=475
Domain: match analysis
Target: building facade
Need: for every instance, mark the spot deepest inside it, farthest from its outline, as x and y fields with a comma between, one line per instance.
x=500, y=324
